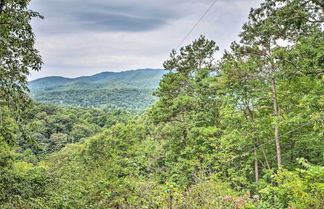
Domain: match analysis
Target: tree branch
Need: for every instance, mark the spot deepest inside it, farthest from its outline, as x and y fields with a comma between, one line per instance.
x=4, y=23
x=293, y=64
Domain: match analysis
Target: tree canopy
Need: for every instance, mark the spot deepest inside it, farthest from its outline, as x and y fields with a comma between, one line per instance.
x=18, y=58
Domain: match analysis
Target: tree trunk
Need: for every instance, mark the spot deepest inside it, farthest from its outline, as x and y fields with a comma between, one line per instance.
x=276, y=128
x=256, y=163
x=266, y=159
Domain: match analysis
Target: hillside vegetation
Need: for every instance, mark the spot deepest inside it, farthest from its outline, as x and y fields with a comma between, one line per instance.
x=245, y=131
x=135, y=100
x=128, y=90
x=142, y=78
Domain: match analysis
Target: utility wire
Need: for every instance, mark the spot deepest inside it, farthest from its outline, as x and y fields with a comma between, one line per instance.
x=269, y=142
x=197, y=23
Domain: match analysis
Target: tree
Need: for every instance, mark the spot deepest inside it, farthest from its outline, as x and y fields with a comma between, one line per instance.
x=17, y=58
x=187, y=79
x=261, y=39
x=186, y=115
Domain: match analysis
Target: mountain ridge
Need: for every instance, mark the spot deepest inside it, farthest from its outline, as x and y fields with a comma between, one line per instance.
x=140, y=78
x=131, y=90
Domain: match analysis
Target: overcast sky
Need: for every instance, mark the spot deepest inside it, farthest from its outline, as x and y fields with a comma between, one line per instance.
x=84, y=37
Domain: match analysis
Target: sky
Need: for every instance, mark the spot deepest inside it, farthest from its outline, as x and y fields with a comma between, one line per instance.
x=85, y=37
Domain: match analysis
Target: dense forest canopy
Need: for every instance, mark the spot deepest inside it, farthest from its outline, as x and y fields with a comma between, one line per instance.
x=134, y=100
x=245, y=131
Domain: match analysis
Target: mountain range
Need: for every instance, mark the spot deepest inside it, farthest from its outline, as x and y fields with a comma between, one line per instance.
x=130, y=89
x=141, y=78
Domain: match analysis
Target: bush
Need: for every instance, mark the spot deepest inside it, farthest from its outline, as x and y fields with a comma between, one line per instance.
x=303, y=188
x=23, y=186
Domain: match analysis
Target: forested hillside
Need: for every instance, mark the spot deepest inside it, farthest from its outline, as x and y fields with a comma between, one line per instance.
x=135, y=100
x=245, y=131
x=141, y=78
x=129, y=90
x=54, y=127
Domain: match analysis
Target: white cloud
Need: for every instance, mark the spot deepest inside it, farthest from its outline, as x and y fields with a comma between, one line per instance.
x=89, y=51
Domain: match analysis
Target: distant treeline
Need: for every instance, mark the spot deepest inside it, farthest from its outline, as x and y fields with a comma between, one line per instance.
x=128, y=99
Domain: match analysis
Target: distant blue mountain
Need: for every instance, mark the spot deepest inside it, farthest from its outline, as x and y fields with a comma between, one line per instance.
x=130, y=90
x=141, y=78
x=49, y=82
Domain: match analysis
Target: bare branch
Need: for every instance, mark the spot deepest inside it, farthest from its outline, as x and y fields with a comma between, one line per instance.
x=293, y=64
x=5, y=23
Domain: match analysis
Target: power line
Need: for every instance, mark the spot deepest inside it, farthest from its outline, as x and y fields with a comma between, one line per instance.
x=197, y=23
x=271, y=141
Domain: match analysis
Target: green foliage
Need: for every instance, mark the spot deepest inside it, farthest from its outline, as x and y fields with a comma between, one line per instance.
x=17, y=58
x=303, y=188
x=135, y=100
x=54, y=127
x=7, y=156
x=23, y=186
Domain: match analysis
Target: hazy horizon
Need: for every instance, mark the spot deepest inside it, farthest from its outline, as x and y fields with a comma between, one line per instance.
x=81, y=39
x=92, y=74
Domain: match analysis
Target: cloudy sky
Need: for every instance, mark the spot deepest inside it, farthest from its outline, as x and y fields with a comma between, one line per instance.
x=84, y=37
